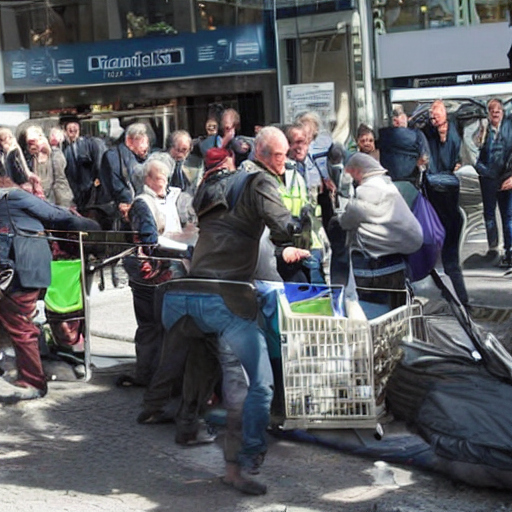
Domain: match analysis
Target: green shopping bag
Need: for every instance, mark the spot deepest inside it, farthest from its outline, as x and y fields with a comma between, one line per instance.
x=315, y=306
x=64, y=295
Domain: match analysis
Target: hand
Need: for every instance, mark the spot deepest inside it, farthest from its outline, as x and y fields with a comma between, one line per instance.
x=228, y=135
x=330, y=185
x=507, y=184
x=292, y=254
x=34, y=179
x=457, y=167
x=124, y=208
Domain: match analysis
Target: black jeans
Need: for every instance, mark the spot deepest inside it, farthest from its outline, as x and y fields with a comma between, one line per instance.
x=148, y=336
x=372, y=272
x=446, y=203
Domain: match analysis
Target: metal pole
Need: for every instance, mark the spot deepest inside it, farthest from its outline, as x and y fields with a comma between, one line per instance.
x=87, y=311
x=367, y=61
x=278, y=66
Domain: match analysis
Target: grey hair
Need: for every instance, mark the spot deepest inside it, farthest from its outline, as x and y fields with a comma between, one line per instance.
x=136, y=130
x=439, y=103
x=154, y=164
x=296, y=126
x=265, y=136
x=175, y=136
x=495, y=100
x=313, y=118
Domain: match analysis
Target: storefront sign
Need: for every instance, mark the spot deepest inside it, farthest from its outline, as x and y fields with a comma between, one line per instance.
x=223, y=51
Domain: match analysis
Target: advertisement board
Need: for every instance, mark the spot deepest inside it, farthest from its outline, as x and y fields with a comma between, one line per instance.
x=223, y=51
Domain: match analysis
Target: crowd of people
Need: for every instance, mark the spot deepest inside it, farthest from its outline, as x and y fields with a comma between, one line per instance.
x=273, y=207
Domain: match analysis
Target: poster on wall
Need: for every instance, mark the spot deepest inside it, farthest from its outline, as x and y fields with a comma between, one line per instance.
x=301, y=98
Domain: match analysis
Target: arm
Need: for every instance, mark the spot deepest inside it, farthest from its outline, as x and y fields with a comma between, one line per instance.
x=271, y=209
x=61, y=188
x=111, y=177
x=97, y=150
x=456, y=148
x=142, y=221
x=51, y=216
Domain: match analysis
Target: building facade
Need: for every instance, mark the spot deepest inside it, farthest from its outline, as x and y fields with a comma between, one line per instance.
x=428, y=49
x=172, y=59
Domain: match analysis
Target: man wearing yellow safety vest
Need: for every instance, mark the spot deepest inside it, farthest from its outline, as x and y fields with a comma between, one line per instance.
x=301, y=202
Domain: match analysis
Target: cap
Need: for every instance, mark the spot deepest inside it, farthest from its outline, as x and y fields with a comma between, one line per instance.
x=214, y=157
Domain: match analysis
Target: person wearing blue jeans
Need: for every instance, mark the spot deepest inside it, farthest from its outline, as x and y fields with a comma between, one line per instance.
x=505, y=205
x=233, y=209
x=489, y=190
x=245, y=338
x=492, y=172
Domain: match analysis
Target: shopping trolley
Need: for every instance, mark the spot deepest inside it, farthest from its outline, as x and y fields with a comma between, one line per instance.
x=335, y=370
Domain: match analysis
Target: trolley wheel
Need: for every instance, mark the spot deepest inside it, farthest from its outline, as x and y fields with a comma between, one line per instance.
x=379, y=432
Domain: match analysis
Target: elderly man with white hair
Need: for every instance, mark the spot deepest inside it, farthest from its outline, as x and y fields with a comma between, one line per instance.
x=375, y=230
x=147, y=217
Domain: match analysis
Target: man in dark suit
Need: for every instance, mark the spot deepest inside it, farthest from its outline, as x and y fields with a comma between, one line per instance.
x=83, y=160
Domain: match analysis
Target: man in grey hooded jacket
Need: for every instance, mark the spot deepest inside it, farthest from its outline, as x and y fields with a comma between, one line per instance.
x=376, y=229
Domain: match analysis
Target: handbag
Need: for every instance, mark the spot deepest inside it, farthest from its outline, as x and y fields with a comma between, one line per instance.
x=423, y=261
x=32, y=257
x=442, y=181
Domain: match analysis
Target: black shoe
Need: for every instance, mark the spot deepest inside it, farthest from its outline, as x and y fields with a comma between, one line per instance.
x=149, y=417
x=127, y=381
x=492, y=256
x=253, y=463
x=506, y=261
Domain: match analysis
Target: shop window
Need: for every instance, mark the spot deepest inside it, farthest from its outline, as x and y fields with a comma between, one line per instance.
x=149, y=18
x=489, y=11
x=34, y=24
x=214, y=14
x=403, y=15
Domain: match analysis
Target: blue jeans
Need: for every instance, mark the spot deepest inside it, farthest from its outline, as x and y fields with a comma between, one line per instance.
x=489, y=189
x=246, y=340
x=505, y=206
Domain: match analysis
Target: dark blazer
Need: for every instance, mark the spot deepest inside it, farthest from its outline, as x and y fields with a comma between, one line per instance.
x=23, y=219
x=121, y=174
x=83, y=168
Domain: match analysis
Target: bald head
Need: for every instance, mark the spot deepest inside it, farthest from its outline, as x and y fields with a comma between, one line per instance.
x=438, y=114
x=271, y=148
